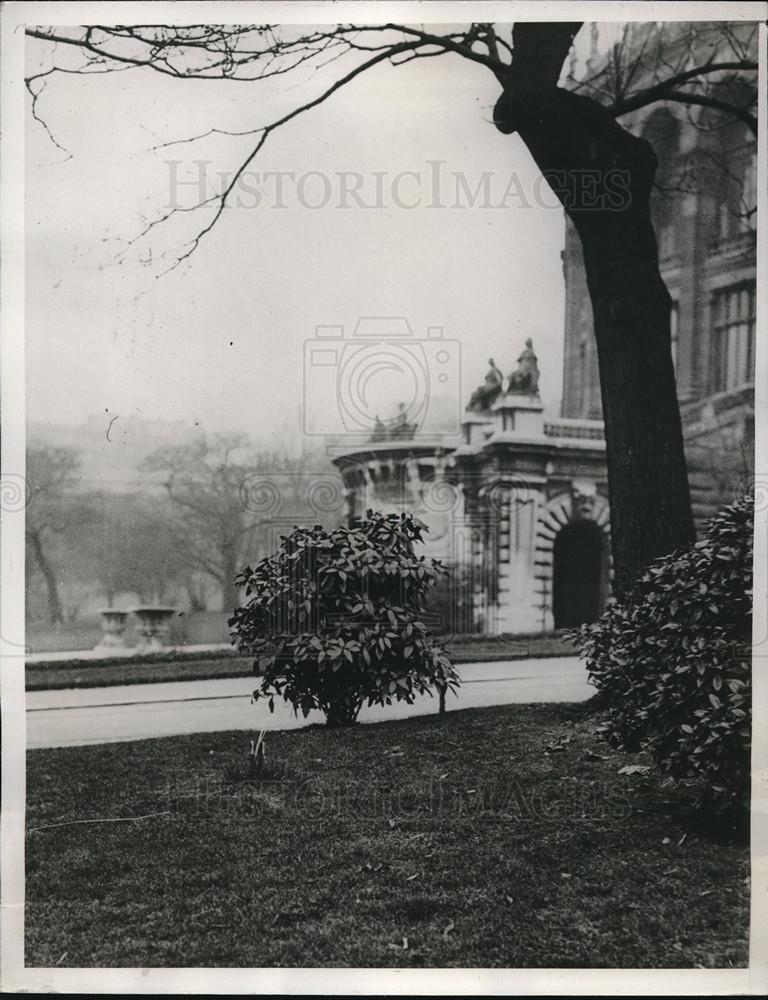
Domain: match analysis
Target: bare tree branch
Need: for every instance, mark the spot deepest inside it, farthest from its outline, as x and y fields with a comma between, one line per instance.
x=251, y=53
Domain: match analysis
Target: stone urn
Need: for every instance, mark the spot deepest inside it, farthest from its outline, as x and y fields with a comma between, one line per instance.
x=113, y=626
x=154, y=624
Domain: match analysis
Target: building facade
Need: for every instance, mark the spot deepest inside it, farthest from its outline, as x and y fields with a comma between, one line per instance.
x=518, y=511
x=704, y=212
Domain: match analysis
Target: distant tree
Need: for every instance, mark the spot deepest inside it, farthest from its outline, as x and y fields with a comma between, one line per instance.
x=126, y=542
x=211, y=523
x=51, y=475
x=227, y=503
x=197, y=591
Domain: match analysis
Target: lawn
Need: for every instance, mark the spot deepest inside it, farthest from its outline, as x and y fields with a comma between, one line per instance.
x=502, y=837
x=204, y=666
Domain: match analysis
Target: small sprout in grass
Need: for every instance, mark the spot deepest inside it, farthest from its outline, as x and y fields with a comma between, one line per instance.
x=257, y=754
x=449, y=927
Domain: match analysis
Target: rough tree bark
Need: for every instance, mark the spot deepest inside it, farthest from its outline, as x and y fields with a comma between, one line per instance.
x=603, y=176
x=54, y=602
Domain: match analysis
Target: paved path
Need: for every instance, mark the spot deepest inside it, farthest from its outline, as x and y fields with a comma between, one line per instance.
x=139, y=711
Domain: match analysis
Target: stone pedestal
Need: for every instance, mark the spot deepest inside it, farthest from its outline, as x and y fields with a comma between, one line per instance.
x=476, y=427
x=113, y=625
x=521, y=414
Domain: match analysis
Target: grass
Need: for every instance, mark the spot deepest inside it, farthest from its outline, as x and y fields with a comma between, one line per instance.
x=500, y=837
x=179, y=667
x=204, y=666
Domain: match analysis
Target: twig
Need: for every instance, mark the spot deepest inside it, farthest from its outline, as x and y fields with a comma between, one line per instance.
x=116, y=819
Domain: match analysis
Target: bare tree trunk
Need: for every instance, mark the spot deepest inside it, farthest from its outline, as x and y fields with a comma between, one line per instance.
x=197, y=600
x=648, y=478
x=603, y=176
x=230, y=597
x=54, y=603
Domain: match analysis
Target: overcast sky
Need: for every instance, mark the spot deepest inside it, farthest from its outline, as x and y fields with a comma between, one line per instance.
x=221, y=340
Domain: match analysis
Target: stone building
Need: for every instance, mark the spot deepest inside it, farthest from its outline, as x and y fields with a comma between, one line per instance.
x=520, y=508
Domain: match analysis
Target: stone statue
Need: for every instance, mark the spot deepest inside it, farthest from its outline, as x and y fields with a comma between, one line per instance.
x=400, y=429
x=526, y=377
x=583, y=499
x=484, y=395
x=397, y=429
x=379, y=430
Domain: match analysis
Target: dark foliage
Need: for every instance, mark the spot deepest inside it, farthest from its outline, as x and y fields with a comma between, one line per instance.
x=673, y=660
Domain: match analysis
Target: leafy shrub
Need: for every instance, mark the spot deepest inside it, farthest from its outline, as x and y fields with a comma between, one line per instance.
x=334, y=618
x=672, y=660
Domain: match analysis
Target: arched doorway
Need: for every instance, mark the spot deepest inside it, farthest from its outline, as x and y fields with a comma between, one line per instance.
x=576, y=574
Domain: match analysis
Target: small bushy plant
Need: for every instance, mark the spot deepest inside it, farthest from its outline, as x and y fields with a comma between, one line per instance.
x=334, y=619
x=672, y=660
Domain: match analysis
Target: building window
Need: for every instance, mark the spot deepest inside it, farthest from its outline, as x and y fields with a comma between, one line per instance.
x=674, y=322
x=738, y=194
x=734, y=336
